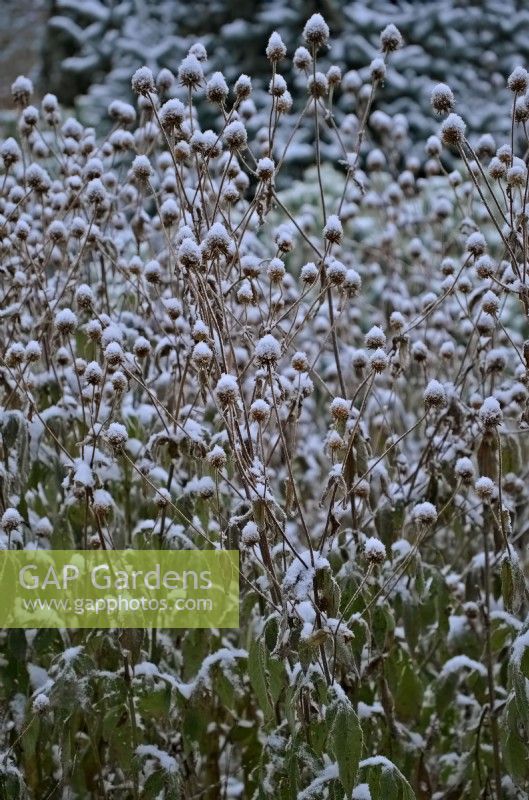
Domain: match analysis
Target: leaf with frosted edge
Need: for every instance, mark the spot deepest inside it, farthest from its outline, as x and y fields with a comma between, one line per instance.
x=347, y=743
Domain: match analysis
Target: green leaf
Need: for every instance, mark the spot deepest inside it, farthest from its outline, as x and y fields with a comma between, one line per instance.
x=258, y=676
x=347, y=742
x=512, y=584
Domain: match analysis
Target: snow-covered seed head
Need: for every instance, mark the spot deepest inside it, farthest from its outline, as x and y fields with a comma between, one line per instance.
x=11, y=520
x=141, y=347
x=95, y=192
x=113, y=354
x=490, y=413
x=374, y=550
x=452, y=131
x=375, y=338
x=119, y=382
x=379, y=360
x=518, y=80
x=10, y=152
x=377, y=70
x=485, y=488
x=309, y=273
x=190, y=72
x=277, y=85
x=164, y=80
x=275, y=49
x=15, y=355
x=490, y=303
x=424, y=513
x=65, y=321
x=485, y=267
x=390, y=39
x=340, y=409
x=316, y=31
x=202, y=355
x=84, y=297
x=333, y=231
x=217, y=458
x=318, y=85
x=217, y=89
x=336, y=272
x=300, y=362
x=218, y=241
x=243, y=87
x=33, y=352
x=267, y=350
x=162, y=498
x=334, y=76
x=235, y=136
x=476, y=244
x=21, y=91
x=260, y=411
x=250, y=535
x=142, y=169
x=116, y=435
x=172, y=113
x=265, y=169
x=143, y=81
x=352, y=283
x=442, y=99
x=227, y=390
x=153, y=272
x=276, y=270
x=189, y=254
x=93, y=374
x=102, y=502
x=464, y=469
x=302, y=59
x=40, y=704
x=434, y=395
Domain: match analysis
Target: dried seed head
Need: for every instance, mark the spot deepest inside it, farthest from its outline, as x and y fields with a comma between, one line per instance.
x=267, y=350
x=21, y=91
x=216, y=457
x=300, y=362
x=302, y=59
x=235, y=136
x=442, y=99
x=116, y=435
x=490, y=413
x=275, y=49
x=424, y=514
x=485, y=488
x=260, y=411
x=333, y=231
x=518, y=80
x=340, y=409
x=250, y=535
x=265, y=169
x=243, y=87
x=190, y=72
x=141, y=169
x=464, y=469
x=374, y=550
x=227, y=390
x=390, y=39
x=316, y=32
x=375, y=338
x=435, y=395
x=452, y=131
x=143, y=81
x=379, y=361
x=65, y=321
